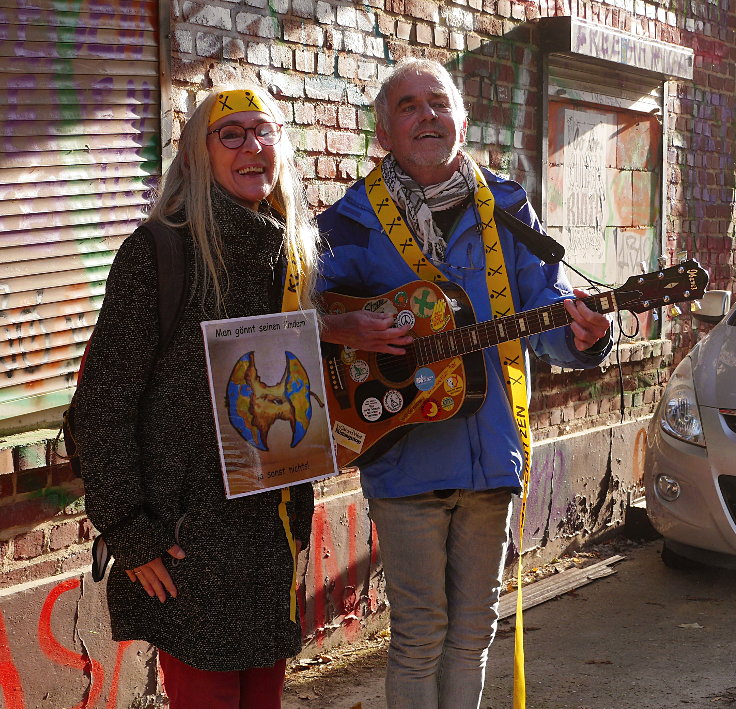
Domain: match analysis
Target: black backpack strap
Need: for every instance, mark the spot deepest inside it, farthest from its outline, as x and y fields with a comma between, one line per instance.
x=168, y=249
x=541, y=245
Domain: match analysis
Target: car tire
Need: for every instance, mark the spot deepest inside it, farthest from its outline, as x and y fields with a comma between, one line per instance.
x=674, y=560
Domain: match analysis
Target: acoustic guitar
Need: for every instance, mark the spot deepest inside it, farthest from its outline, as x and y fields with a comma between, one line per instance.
x=374, y=398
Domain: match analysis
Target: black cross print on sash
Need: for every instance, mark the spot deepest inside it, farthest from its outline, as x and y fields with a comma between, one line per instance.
x=383, y=203
x=490, y=248
x=484, y=202
x=419, y=264
x=498, y=293
x=393, y=224
x=503, y=313
x=405, y=245
x=374, y=184
x=511, y=362
x=495, y=271
x=515, y=380
x=488, y=224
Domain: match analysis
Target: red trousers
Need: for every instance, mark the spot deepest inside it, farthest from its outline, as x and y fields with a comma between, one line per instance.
x=190, y=688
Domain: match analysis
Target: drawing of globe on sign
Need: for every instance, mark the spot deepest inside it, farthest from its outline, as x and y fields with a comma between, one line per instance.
x=254, y=406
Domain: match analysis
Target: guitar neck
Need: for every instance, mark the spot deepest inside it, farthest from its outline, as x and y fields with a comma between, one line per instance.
x=472, y=338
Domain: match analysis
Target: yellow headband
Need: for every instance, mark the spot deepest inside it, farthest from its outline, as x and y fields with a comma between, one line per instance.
x=235, y=101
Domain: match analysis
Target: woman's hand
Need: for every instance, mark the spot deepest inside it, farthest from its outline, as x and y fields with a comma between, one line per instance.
x=363, y=330
x=587, y=326
x=154, y=577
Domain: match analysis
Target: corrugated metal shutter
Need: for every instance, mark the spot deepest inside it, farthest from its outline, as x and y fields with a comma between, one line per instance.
x=601, y=83
x=80, y=132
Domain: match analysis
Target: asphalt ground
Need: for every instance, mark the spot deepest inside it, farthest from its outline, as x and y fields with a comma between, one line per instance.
x=645, y=637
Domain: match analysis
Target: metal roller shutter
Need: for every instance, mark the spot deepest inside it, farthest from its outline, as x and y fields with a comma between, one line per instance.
x=80, y=145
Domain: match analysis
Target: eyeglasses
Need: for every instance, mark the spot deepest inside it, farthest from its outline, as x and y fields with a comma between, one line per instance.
x=233, y=137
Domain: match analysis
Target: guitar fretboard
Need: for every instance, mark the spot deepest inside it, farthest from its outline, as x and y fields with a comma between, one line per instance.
x=471, y=338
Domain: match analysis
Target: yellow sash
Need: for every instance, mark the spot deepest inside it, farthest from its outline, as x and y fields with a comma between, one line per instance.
x=290, y=303
x=510, y=353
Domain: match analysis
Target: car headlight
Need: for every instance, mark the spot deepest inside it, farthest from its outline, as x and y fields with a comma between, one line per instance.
x=678, y=412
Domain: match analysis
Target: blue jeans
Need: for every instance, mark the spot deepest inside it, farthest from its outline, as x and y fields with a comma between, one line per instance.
x=443, y=560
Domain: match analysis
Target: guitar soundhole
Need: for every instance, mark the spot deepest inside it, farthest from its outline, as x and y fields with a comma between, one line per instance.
x=396, y=369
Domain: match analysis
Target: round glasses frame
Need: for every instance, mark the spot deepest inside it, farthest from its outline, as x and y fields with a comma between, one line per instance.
x=271, y=134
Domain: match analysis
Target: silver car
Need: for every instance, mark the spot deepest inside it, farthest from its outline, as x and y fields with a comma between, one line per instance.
x=690, y=462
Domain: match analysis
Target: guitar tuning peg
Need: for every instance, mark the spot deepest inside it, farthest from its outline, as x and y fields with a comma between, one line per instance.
x=696, y=306
x=674, y=311
x=643, y=267
x=661, y=261
x=655, y=316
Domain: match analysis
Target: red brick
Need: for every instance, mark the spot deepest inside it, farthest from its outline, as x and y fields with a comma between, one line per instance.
x=64, y=535
x=76, y=560
x=29, y=546
x=28, y=513
x=32, y=480
x=32, y=572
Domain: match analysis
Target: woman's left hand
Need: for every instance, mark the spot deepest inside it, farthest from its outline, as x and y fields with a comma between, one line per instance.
x=154, y=577
x=587, y=326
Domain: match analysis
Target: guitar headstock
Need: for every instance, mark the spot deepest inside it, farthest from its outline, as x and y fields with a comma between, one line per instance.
x=676, y=284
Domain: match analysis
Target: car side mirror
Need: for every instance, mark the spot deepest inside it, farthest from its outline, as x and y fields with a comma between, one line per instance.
x=713, y=306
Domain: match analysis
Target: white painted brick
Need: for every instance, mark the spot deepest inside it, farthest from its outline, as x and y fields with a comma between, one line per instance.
x=367, y=71
x=233, y=48
x=290, y=85
x=304, y=113
x=347, y=67
x=183, y=42
x=207, y=15
x=256, y=25
x=504, y=137
x=324, y=88
x=474, y=133
x=326, y=63
x=279, y=6
x=208, y=45
x=325, y=13
x=366, y=21
x=403, y=30
x=258, y=54
x=347, y=17
x=375, y=47
x=457, y=40
x=474, y=42
x=457, y=18
x=441, y=36
x=303, y=8
x=281, y=56
x=304, y=60
x=333, y=38
x=315, y=139
x=257, y=3
x=353, y=42
x=424, y=33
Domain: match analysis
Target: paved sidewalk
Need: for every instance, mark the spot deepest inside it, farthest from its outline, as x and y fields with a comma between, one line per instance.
x=646, y=637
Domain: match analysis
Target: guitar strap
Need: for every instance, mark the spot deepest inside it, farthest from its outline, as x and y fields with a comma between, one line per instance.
x=510, y=353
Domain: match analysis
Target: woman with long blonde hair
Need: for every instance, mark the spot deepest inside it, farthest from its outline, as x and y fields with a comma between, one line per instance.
x=207, y=580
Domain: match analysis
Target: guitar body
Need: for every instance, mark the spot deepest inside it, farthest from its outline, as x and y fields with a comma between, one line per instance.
x=373, y=398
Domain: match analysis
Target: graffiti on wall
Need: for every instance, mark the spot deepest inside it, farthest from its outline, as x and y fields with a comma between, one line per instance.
x=79, y=144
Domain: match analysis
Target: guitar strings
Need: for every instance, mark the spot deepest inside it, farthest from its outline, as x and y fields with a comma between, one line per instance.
x=423, y=351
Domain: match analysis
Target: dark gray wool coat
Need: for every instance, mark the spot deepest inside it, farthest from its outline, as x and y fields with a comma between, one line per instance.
x=148, y=449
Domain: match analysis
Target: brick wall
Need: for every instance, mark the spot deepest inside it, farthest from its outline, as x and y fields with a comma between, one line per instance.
x=326, y=60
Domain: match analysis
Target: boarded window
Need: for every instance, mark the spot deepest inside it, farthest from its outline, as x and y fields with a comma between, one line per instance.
x=604, y=172
x=80, y=121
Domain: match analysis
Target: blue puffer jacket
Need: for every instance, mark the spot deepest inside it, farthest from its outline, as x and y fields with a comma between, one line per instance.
x=482, y=451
